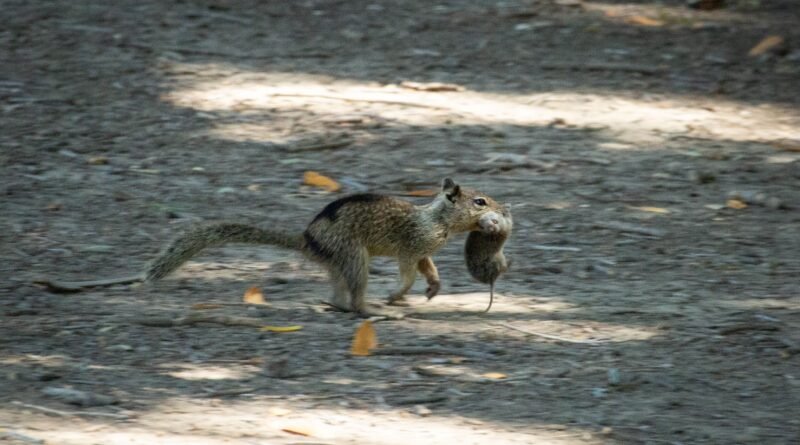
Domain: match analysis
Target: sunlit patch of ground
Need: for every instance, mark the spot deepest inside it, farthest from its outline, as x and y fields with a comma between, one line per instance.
x=267, y=421
x=208, y=372
x=644, y=120
x=464, y=313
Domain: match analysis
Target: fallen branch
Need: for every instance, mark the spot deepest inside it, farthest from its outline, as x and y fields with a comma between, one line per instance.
x=550, y=336
x=71, y=413
x=77, y=286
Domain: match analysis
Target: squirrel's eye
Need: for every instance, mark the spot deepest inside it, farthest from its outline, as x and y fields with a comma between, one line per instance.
x=479, y=201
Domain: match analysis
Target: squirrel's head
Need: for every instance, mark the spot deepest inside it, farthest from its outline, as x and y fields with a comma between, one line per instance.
x=472, y=210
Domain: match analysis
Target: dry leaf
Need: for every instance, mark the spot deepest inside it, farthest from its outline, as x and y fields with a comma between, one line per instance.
x=317, y=180
x=766, y=44
x=364, y=339
x=495, y=375
x=98, y=160
x=736, y=204
x=299, y=430
x=202, y=306
x=649, y=209
x=280, y=328
x=254, y=296
x=644, y=21
x=422, y=192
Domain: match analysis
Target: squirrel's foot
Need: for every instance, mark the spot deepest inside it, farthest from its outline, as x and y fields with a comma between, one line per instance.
x=397, y=301
x=433, y=289
x=377, y=310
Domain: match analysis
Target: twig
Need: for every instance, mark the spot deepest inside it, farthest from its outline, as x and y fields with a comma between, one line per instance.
x=421, y=399
x=550, y=336
x=73, y=413
x=555, y=248
x=630, y=228
x=77, y=286
x=741, y=327
x=422, y=350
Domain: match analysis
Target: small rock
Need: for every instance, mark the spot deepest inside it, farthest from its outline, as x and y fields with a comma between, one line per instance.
x=613, y=376
x=422, y=411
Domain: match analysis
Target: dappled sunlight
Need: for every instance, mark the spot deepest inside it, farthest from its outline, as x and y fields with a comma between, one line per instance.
x=264, y=106
x=187, y=371
x=656, y=14
x=34, y=359
x=464, y=314
x=207, y=421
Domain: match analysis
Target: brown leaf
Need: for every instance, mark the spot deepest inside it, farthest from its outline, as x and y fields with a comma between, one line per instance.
x=253, y=295
x=315, y=179
x=364, y=339
x=98, y=160
x=736, y=204
x=766, y=44
x=299, y=430
x=644, y=21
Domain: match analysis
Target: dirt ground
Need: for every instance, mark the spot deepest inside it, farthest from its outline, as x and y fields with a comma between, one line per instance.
x=651, y=164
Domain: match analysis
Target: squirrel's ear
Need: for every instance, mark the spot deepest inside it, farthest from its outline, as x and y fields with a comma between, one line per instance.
x=451, y=189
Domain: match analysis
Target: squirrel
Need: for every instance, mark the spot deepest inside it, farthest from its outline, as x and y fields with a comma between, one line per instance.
x=483, y=250
x=344, y=235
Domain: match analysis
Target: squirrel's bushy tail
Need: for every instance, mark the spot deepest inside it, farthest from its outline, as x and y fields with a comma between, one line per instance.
x=191, y=243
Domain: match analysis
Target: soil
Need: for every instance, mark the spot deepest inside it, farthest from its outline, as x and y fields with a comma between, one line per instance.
x=651, y=164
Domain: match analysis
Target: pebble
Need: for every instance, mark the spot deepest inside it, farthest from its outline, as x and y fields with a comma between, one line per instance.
x=422, y=411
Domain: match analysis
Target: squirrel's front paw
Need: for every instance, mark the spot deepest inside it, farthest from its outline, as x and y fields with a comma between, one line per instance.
x=433, y=289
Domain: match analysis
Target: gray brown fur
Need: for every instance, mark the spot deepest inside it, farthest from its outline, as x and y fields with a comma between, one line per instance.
x=484, y=251
x=351, y=230
x=183, y=248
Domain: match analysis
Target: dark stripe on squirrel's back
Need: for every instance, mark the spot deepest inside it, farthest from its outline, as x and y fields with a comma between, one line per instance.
x=315, y=247
x=330, y=210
